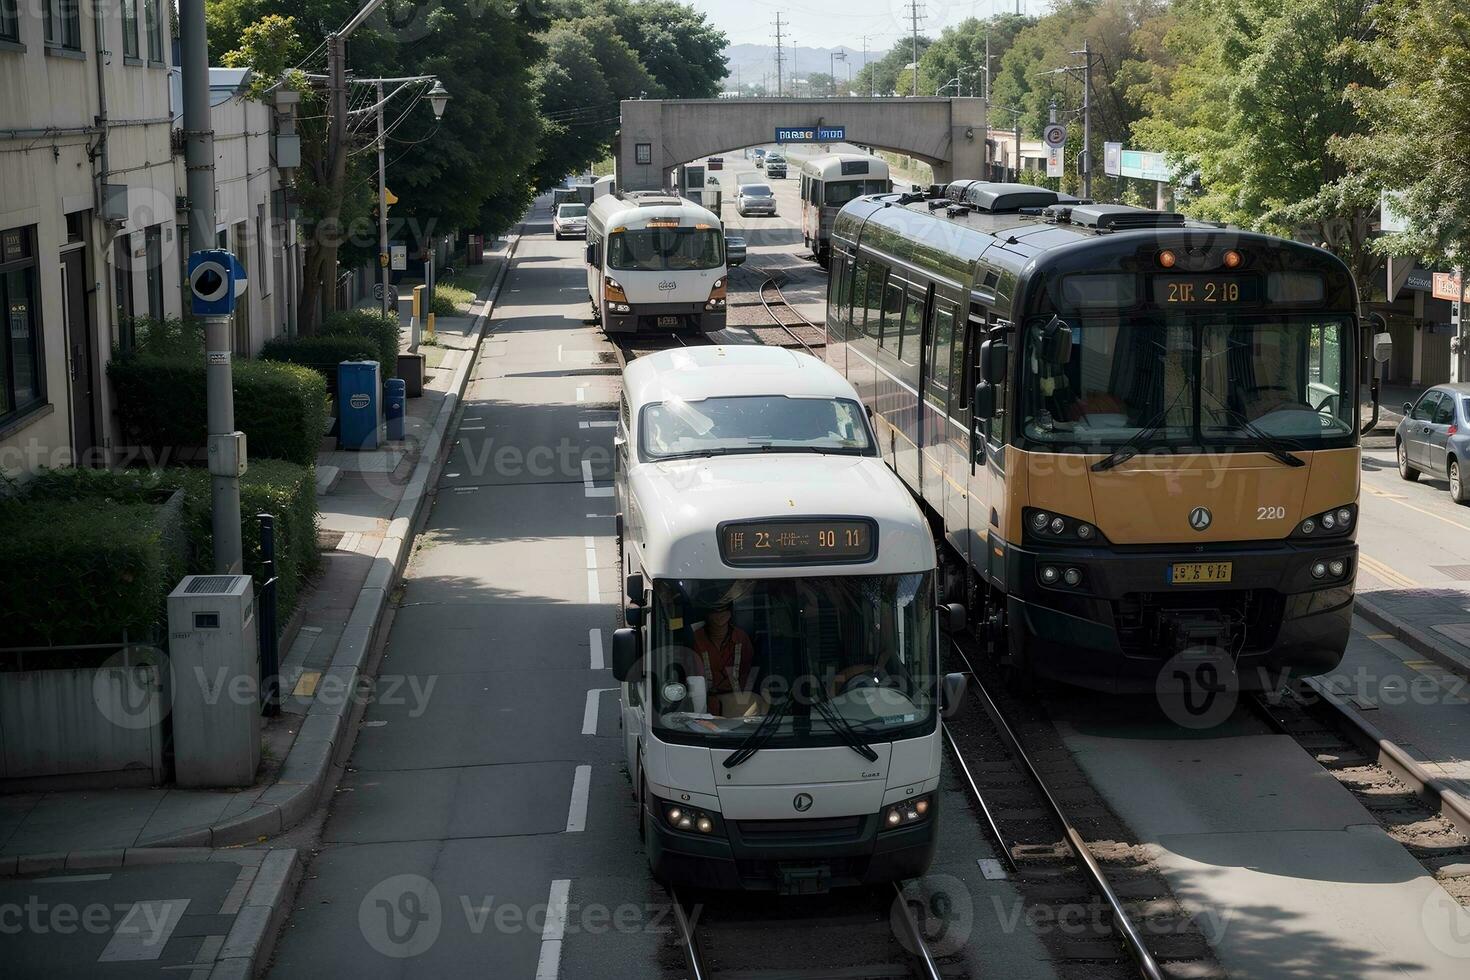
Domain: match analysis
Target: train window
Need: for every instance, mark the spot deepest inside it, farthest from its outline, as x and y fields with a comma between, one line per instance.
x=858, y=296
x=909, y=336
x=874, y=325
x=840, y=286
x=893, y=295
x=939, y=365
x=967, y=338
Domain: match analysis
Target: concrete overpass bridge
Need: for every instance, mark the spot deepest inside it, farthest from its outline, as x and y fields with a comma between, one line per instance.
x=658, y=135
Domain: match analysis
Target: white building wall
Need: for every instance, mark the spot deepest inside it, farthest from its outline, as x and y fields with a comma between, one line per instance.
x=49, y=102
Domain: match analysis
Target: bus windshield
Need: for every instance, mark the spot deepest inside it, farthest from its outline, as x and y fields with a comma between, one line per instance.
x=752, y=423
x=1190, y=381
x=839, y=192
x=831, y=655
x=660, y=249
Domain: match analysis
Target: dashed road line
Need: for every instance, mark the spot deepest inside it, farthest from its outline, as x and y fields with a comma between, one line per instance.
x=577, y=810
x=594, y=642
x=549, y=965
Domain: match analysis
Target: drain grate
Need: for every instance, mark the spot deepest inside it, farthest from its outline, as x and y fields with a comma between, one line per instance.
x=1460, y=573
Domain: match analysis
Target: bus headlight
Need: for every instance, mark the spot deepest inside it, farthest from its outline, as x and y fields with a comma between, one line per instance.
x=690, y=820
x=1330, y=523
x=906, y=813
x=612, y=291
x=716, y=299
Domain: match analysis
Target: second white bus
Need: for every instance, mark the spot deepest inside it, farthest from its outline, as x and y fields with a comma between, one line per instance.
x=829, y=182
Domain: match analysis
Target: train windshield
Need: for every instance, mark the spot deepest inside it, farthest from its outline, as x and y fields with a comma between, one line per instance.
x=825, y=660
x=1166, y=381
x=663, y=249
x=677, y=428
x=839, y=192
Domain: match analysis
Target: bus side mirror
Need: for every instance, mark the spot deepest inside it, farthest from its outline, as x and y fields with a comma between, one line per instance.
x=1056, y=342
x=952, y=694
x=633, y=589
x=985, y=400
x=591, y=253
x=625, y=655
x=633, y=616
x=1382, y=347
x=952, y=617
x=994, y=356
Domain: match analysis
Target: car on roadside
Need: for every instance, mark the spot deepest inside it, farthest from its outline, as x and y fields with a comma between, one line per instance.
x=570, y=221
x=1434, y=438
x=775, y=166
x=734, y=250
x=755, y=199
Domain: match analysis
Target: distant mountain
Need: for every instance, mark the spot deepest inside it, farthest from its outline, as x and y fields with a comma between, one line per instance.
x=750, y=62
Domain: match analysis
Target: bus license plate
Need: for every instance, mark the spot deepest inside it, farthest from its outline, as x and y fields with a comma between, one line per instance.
x=668, y=321
x=1200, y=572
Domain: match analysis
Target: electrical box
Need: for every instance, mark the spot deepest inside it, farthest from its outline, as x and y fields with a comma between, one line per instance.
x=215, y=657
x=358, y=406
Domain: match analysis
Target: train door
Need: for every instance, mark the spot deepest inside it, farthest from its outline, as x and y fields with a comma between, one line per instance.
x=909, y=414
x=958, y=510
x=866, y=293
x=838, y=309
x=935, y=443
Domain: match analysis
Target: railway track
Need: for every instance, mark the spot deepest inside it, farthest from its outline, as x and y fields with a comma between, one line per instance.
x=1113, y=913
x=790, y=329
x=869, y=933
x=641, y=345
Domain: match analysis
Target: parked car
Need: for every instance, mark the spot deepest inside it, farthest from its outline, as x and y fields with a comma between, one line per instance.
x=775, y=166
x=734, y=250
x=1434, y=438
x=755, y=199
x=570, y=221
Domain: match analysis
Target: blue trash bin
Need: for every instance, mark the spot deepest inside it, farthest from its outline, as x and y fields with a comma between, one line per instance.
x=357, y=405
x=395, y=400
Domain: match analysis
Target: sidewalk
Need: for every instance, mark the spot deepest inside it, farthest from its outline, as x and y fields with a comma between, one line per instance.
x=369, y=503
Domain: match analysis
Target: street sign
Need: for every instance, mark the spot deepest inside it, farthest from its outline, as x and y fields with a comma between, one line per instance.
x=1054, y=161
x=1054, y=136
x=1145, y=165
x=216, y=280
x=1113, y=159
x=820, y=134
x=399, y=257
x=1446, y=286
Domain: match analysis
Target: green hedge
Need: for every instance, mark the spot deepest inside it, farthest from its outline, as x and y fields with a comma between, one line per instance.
x=82, y=571
x=451, y=300
x=322, y=353
x=371, y=325
x=269, y=486
x=161, y=401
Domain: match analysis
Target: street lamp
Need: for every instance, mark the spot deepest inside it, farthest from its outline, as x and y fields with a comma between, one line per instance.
x=832, y=59
x=438, y=99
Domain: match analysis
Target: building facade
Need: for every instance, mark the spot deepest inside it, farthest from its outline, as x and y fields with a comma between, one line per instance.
x=87, y=231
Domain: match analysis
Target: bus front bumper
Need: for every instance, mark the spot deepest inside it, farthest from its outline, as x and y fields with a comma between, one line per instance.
x=664, y=317
x=771, y=855
x=1116, y=630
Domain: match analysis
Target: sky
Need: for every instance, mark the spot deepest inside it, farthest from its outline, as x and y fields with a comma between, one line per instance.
x=829, y=23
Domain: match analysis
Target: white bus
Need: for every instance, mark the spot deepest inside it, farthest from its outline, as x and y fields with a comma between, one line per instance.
x=780, y=671
x=829, y=182
x=655, y=262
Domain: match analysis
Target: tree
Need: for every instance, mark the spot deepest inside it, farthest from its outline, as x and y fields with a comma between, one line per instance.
x=886, y=75
x=960, y=52
x=1253, y=105
x=1416, y=140
x=471, y=170
x=681, y=50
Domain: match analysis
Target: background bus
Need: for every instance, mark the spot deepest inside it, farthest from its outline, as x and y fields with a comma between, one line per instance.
x=829, y=182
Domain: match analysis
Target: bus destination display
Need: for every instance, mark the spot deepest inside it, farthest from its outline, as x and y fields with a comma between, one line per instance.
x=1206, y=290
x=820, y=540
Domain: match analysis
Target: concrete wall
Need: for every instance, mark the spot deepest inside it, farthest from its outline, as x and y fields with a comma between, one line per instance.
x=46, y=176
x=948, y=134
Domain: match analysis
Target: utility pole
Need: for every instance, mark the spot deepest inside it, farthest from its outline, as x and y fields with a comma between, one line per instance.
x=383, y=207
x=987, y=66
x=219, y=383
x=872, y=83
x=1087, y=118
x=832, y=58
x=780, y=57
x=914, y=16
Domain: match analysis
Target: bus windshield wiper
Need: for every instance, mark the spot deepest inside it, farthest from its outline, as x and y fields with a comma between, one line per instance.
x=1129, y=449
x=844, y=730
x=762, y=734
x=1275, y=446
x=762, y=448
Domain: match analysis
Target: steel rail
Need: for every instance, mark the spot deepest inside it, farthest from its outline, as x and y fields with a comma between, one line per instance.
x=1148, y=967
x=692, y=954
x=929, y=970
x=771, y=282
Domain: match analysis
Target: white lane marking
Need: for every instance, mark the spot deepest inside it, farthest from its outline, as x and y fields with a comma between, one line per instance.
x=472, y=428
x=594, y=642
x=594, y=591
x=549, y=965
x=558, y=353
x=582, y=394
x=589, y=711
x=577, y=811
x=587, y=488
x=145, y=929
x=992, y=869
x=599, y=424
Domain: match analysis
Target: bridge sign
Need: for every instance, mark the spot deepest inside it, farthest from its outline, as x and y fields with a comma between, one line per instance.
x=822, y=134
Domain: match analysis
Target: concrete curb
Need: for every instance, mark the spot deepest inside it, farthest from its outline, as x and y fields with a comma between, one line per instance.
x=1419, y=640
x=1428, y=787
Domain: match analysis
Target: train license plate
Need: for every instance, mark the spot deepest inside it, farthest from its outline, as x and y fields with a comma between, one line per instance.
x=668, y=321
x=1200, y=572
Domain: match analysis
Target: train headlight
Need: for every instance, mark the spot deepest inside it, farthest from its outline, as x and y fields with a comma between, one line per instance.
x=1337, y=567
x=1072, y=576
x=1330, y=523
x=1039, y=520
x=1049, y=575
x=1058, y=525
x=1085, y=531
x=1048, y=527
x=1319, y=569
x=905, y=813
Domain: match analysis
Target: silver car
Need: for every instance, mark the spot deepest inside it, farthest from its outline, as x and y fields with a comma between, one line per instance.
x=1434, y=438
x=755, y=199
x=570, y=221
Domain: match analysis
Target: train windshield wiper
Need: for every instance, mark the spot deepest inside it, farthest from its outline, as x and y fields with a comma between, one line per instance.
x=757, y=739
x=1275, y=446
x=1129, y=449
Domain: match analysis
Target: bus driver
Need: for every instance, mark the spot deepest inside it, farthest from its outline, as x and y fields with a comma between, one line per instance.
x=724, y=652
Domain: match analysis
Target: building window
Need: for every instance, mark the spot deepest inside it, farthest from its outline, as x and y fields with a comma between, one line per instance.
x=122, y=271
x=153, y=238
x=9, y=21
x=64, y=24
x=154, y=23
x=22, y=378
x=130, y=28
